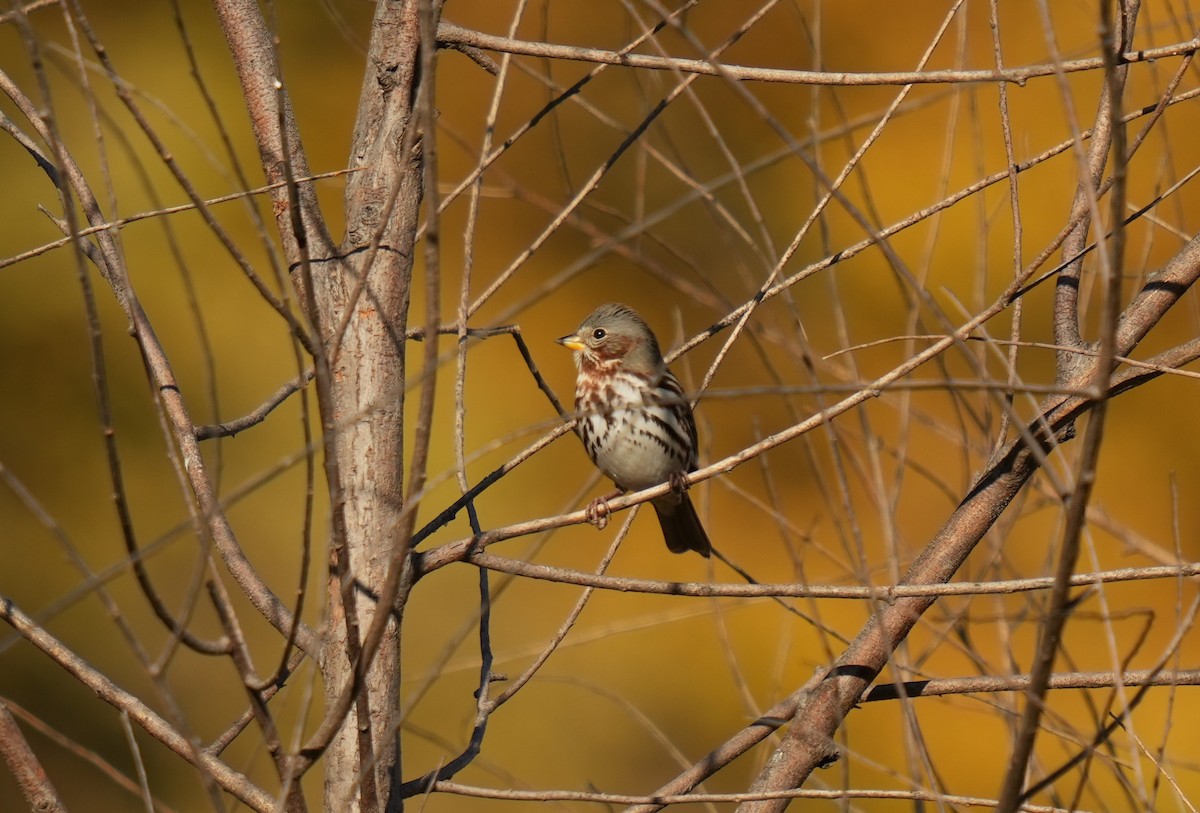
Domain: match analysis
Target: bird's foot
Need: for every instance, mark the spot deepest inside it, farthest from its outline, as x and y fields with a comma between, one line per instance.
x=597, y=513
x=679, y=482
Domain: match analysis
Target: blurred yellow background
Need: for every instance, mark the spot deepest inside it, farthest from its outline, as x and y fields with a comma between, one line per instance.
x=848, y=504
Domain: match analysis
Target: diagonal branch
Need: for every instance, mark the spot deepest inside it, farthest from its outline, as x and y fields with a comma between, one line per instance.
x=107, y=256
x=236, y=784
x=25, y=767
x=278, y=147
x=1061, y=604
x=817, y=709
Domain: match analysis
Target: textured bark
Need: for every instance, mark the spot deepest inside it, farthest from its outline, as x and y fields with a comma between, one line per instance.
x=356, y=297
x=370, y=296
x=25, y=767
x=822, y=705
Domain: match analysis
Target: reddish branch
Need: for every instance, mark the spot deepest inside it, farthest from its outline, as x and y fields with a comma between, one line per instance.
x=25, y=767
x=233, y=782
x=818, y=708
x=106, y=254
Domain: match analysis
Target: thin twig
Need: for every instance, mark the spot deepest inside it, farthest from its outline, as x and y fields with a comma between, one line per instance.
x=728, y=798
x=232, y=781
x=25, y=767
x=453, y=34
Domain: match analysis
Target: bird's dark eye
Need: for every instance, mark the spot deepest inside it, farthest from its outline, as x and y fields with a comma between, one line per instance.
x=599, y=333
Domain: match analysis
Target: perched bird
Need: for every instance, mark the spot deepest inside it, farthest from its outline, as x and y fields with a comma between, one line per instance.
x=635, y=421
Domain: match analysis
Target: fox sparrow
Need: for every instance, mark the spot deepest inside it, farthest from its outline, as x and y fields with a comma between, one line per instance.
x=634, y=419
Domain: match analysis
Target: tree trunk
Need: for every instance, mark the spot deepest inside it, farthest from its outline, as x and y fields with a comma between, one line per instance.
x=356, y=297
x=365, y=411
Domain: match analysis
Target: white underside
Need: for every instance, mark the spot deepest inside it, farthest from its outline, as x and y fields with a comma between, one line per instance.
x=634, y=460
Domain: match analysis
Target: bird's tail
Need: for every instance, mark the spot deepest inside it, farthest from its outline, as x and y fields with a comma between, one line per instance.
x=682, y=529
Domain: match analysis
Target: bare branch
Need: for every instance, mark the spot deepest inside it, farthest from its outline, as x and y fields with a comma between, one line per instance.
x=230, y=780
x=258, y=415
x=818, y=708
x=450, y=34
x=990, y=684
x=24, y=765
x=885, y=594
x=714, y=798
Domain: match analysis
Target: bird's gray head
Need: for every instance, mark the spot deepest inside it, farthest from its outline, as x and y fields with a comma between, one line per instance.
x=614, y=335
